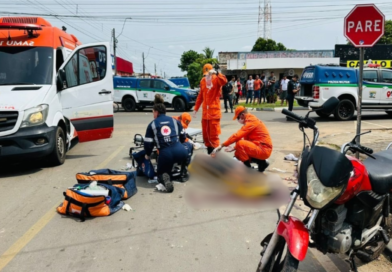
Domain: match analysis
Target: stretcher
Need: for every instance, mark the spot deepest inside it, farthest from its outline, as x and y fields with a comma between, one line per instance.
x=138, y=140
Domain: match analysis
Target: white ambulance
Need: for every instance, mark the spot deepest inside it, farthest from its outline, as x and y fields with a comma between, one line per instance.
x=54, y=92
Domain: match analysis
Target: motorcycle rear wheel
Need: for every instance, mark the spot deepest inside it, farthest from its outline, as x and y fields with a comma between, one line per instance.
x=277, y=263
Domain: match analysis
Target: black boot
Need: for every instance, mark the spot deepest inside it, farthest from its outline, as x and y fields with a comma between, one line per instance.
x=247, y=164
x=209, y=150
x=184, y=173
x=262, y=165
x=165, y=180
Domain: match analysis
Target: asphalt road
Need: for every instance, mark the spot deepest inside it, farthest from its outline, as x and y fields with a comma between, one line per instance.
x=161, y=232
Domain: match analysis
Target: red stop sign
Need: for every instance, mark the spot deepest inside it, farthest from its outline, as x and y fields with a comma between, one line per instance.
x=364, y=25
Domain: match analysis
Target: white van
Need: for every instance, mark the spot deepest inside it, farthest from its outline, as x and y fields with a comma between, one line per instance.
x=54, y=92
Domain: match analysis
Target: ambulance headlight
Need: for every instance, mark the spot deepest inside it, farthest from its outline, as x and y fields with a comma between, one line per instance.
x=35, y=116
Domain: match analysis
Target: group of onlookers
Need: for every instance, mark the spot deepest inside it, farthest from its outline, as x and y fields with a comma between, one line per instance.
x=261, y=90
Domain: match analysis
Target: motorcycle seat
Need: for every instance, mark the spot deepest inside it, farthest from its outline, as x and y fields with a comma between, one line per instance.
x=380, y=171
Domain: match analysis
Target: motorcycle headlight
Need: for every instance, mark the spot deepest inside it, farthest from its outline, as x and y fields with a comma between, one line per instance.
x=35, y=116
x=318, y=195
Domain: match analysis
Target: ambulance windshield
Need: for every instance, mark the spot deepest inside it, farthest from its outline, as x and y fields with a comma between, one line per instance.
x=26, y=65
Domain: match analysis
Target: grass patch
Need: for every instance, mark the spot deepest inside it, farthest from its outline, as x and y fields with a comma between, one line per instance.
x=265, y=105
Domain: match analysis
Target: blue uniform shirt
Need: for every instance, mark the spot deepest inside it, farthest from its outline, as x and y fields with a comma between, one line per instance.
x=163, y=132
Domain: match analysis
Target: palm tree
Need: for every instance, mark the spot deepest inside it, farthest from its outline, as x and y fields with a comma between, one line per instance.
x=208, y=53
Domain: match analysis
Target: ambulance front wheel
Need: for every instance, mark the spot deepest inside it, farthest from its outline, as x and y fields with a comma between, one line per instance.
x=57, y=157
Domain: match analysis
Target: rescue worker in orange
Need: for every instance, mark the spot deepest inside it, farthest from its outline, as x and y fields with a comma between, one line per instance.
x=210, y=92
x=253, y=141
x=185, y=120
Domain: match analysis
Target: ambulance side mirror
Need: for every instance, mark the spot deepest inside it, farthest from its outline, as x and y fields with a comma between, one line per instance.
x=61, y=80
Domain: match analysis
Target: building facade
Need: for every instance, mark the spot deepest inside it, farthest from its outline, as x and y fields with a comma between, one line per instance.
x=349, y=55
x=244, y=64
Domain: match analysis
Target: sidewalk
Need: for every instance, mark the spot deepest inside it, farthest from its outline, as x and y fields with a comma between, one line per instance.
x=377, y=140
x=268, y=107
x=278, y=109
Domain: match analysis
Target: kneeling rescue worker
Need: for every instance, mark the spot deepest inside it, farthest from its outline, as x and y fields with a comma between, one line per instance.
x=253, y=141
x=168, y=134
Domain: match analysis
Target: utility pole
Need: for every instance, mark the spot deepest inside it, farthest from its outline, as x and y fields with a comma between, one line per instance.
x=155, y=65
x=360, y=86
x=164, y=74
x=77, y=6
x=144, y=67
x=114, y=50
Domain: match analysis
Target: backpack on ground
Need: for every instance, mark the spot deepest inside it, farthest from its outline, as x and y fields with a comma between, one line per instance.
x=123, y=180
x=79, y=204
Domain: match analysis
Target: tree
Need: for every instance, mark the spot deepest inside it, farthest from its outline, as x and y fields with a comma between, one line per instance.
x=187, y=59
x=208, y=53
x=387, y=38
x=268, y=45
x=194, y=74
x=193, y=63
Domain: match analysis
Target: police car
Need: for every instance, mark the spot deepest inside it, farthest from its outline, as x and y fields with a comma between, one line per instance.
x=319, y=83
x=137, y=93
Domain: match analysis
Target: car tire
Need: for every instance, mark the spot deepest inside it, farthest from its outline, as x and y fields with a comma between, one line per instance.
x=179, y=104
x=57, y=157
x=345, y=110
x=322, y=114
x=129, y=104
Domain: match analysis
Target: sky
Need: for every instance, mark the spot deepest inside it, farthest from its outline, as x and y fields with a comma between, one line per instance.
x=164, y=29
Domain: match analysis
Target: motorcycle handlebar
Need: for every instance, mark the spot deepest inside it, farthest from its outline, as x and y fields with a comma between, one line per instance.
x=357, y=148
x=306, y=122
x=366, y=149
x=292, y=115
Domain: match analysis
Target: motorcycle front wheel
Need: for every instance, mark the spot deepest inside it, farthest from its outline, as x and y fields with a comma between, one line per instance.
x=276, y=262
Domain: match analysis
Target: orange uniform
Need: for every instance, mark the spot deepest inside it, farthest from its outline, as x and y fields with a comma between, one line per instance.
x=210, y=98
x=252, y=140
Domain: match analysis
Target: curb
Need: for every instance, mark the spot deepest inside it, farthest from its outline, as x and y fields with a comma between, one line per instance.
x=274, y=109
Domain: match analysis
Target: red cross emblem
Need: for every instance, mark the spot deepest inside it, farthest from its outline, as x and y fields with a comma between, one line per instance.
x=165, y=130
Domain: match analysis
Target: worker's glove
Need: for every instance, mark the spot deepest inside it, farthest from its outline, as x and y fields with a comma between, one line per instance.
x=229, y=148
x=212, y=71
x=216, y=150
x=217, y=68
x=191, y=142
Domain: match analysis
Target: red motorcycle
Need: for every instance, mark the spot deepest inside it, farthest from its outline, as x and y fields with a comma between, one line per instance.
x=349, y=200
